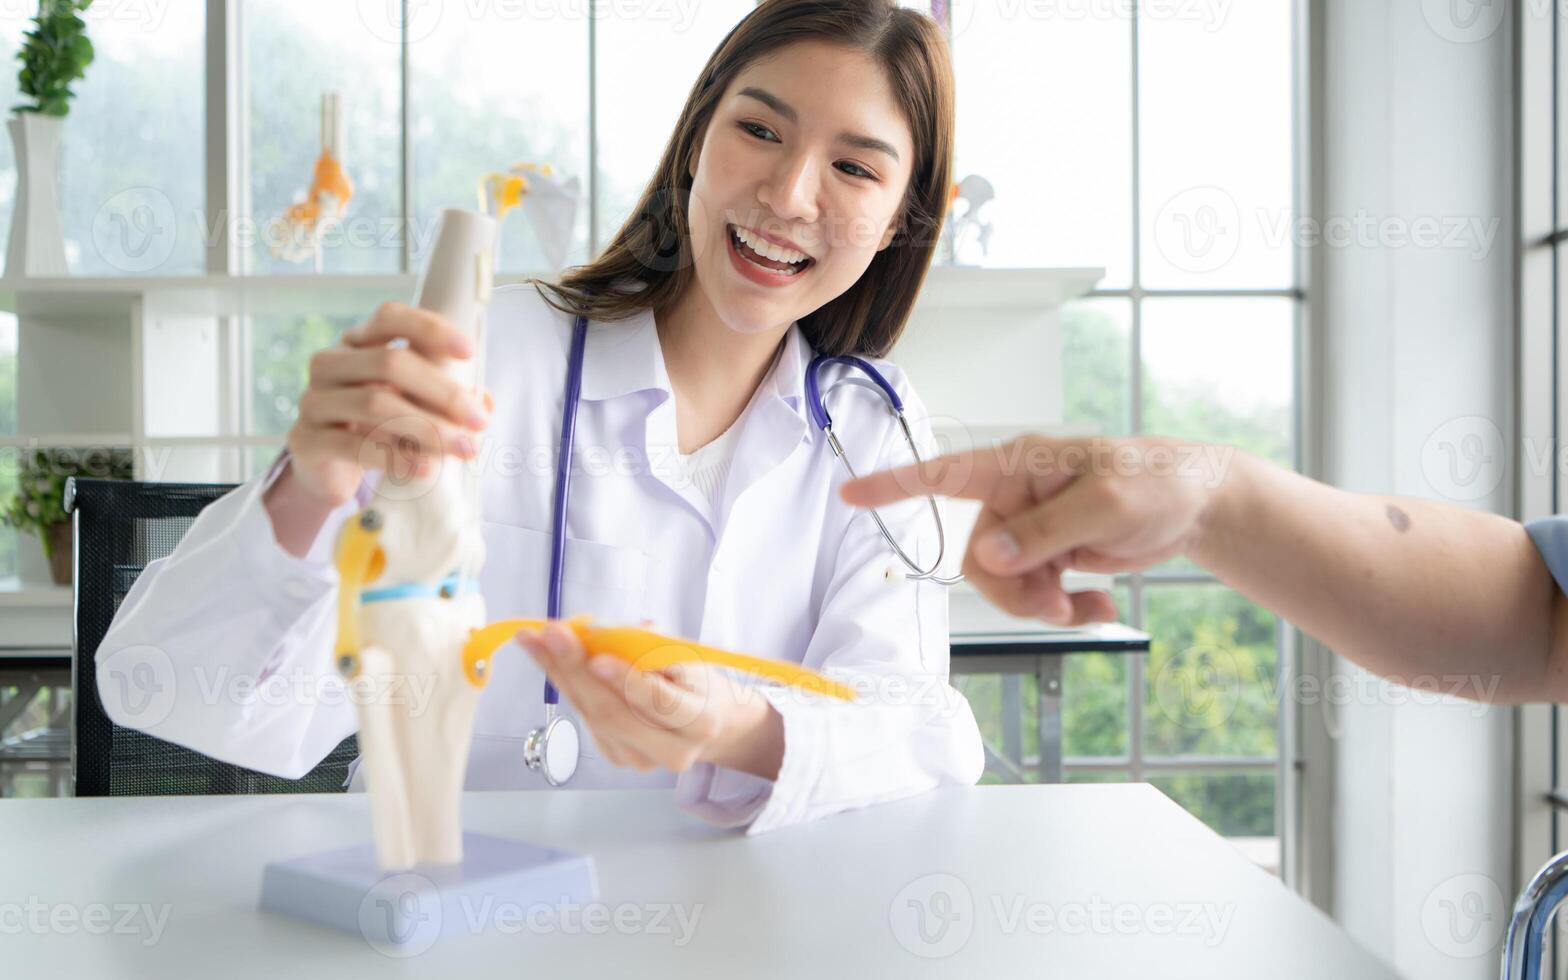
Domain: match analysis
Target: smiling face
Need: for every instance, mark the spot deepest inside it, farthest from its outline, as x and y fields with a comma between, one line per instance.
x=799, y=180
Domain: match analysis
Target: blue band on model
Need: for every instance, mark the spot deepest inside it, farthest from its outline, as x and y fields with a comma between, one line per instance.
x=452, y=585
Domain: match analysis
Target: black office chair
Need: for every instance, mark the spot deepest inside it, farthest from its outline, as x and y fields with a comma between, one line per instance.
x=120, y=526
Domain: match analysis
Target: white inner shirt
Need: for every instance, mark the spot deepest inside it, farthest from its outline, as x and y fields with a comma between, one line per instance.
x=708, y=466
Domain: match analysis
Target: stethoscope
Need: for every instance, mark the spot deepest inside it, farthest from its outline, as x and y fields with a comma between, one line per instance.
x=553, y=748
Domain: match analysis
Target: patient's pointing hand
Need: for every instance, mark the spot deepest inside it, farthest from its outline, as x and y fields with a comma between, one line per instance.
x=1092, y=504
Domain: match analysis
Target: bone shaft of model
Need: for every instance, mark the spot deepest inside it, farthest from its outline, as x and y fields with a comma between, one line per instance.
x=332, y=126
x=456, y=280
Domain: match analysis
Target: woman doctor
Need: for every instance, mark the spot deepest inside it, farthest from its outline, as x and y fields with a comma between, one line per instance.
x=794, y=210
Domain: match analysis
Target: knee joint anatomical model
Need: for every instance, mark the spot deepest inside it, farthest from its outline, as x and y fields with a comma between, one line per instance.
x=419, y=543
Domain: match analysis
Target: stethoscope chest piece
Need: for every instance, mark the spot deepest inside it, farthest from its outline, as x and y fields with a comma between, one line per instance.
x=553, y=750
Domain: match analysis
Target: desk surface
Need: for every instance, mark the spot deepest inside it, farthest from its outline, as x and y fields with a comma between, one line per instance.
x=995, y=881
x=1105, y=637
x=1101, y=638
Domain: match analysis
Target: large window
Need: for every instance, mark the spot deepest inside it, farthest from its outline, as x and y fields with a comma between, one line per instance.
x=1155, y=141
x=1161, y=147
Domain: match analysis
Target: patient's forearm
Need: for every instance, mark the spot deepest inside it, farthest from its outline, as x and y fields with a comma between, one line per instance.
x=1407, y=588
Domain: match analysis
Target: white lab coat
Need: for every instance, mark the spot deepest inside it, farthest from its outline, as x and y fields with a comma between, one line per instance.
x=781, y=568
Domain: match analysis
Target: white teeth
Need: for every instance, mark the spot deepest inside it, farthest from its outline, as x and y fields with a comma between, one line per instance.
x=769, y=250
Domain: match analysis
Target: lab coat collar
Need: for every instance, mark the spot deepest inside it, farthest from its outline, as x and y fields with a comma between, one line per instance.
x=624, y=357
x=789, y=374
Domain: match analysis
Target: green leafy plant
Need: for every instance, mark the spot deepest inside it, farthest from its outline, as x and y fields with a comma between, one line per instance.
x=39, y=501
x=55, y=53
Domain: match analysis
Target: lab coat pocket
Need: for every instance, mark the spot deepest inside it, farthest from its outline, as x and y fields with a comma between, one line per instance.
x=601, y=580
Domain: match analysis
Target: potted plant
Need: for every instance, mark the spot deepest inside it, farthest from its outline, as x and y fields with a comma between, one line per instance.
x=55, y=53
x=38, y=506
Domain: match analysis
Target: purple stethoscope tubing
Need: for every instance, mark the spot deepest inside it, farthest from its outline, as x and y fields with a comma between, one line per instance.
x=563, y=480
x=817, y=406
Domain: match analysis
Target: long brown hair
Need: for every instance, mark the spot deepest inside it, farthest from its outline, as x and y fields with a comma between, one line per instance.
x=648, y=263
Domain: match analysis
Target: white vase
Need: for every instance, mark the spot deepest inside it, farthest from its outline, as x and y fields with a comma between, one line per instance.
x=37, y=246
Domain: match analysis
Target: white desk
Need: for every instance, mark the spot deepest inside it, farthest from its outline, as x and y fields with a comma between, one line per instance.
x=828, y=899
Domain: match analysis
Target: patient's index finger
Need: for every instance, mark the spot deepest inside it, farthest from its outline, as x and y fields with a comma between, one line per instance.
x=971, y=475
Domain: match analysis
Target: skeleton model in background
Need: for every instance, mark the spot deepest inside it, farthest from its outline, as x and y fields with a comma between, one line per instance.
x=552, y=204
x=296, y=236
x=967, y=233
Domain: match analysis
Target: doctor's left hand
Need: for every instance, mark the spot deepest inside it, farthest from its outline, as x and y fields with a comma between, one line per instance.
x=672, y=718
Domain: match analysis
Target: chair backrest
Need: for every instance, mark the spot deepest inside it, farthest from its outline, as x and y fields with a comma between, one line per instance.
x=119, y=527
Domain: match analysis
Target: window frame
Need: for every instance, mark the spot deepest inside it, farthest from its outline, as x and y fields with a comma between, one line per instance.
x=1540, y=127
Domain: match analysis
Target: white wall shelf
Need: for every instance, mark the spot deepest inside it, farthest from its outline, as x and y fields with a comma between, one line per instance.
x=979, y=287
x=16, y=594
x=36, y=616
x=164, y=364
x=946, y=287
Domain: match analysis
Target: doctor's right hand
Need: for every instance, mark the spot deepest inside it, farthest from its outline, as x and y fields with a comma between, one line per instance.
x=1092, y=504
x=381, y=400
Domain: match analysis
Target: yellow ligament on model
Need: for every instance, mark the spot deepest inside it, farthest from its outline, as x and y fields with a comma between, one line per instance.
x=645, y=650
x=360, y=562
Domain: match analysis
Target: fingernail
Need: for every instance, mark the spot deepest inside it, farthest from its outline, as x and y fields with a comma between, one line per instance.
x=477, y=419
x=464, y=446
x=1000, y=548
x=602, y=667
x=462, y=346
x=560, y=647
